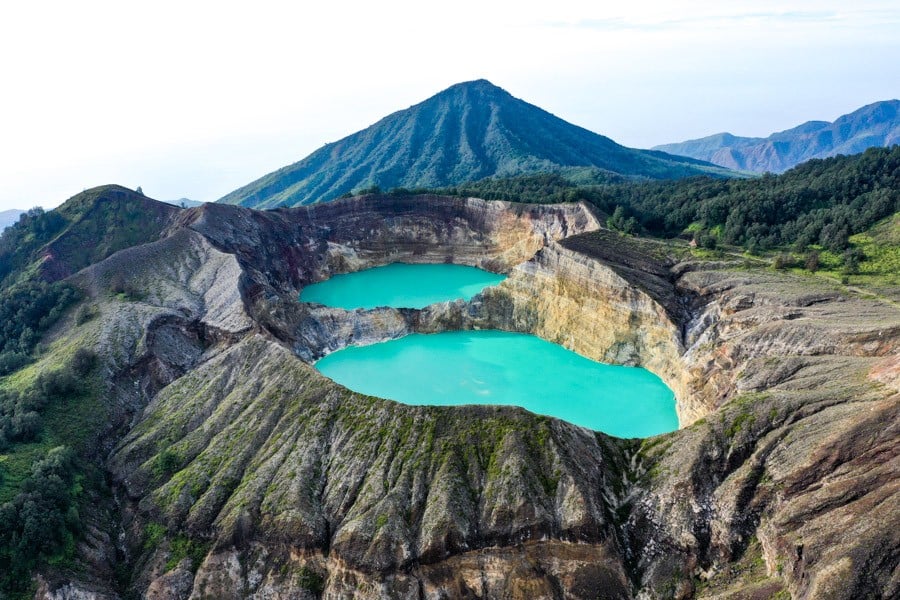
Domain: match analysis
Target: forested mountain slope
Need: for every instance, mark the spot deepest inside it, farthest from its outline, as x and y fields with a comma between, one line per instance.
x=467, y=132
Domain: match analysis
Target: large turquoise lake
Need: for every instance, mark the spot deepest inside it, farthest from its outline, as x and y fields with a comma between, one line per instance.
x=400, y=285
x=494, y=367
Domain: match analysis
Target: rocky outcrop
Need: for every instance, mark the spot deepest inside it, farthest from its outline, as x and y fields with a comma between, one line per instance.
x=241, y=472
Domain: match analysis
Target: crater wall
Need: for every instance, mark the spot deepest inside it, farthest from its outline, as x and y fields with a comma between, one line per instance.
x=264, y=479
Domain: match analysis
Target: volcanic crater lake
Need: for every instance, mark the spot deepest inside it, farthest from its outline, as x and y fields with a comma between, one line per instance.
x=400, y=285
x=495, y=367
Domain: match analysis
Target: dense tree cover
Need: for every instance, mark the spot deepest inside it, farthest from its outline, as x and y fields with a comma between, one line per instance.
x=26, y=310
x=41, y=522
x=820, y=202
x=620, y=222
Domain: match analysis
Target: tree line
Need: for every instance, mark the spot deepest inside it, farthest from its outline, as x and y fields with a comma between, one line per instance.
x=822, y=201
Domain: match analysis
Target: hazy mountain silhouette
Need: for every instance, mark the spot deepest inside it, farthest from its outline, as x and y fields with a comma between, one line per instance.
x=877, y=124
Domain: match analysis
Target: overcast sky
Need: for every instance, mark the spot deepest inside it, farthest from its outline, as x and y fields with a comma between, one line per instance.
x=195, y=98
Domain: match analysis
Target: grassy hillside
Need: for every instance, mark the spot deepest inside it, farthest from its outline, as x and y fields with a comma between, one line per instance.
x=468, y=132
x=874, y=270
x=42, y=248
x=85, y=229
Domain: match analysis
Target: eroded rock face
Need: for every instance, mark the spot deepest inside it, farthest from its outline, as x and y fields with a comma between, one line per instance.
x=269, y=481
x=801, y=452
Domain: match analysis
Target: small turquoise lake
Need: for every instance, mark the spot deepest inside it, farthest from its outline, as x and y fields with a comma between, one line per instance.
x=400, y=285
x=495, y=367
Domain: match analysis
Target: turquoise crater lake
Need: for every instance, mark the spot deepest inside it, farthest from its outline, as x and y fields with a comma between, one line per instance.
x=495, y=367
x=400, y=285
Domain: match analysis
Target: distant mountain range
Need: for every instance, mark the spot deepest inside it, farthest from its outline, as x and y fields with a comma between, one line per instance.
x=8, y=217
x=877, y=124
x=184, y=202
x=467, y=132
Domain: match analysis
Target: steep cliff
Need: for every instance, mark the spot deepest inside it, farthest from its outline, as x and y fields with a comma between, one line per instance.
x=239, y=471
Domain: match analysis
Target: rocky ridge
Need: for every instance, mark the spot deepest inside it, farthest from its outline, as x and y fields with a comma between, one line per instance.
x=241, y=472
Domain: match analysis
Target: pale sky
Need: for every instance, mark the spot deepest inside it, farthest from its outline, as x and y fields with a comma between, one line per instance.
x=196, y=98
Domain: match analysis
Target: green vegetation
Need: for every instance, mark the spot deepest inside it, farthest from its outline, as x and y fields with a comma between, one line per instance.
x=871, y=260
x=48, y=412
x=44, y=247
x=310, y=580
x=43, y=407
x=881, y=248
x=52, y=409
x=821, y=202
x=166, y=463
x=182, y=547
x=19, y=242
x=619, y=222
x=86, y=229
x=40, y=524
x=742, y=420
x=20, y=419
x=154, y=533
x=27, y=309
x=104, y=220
x=538, y=188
